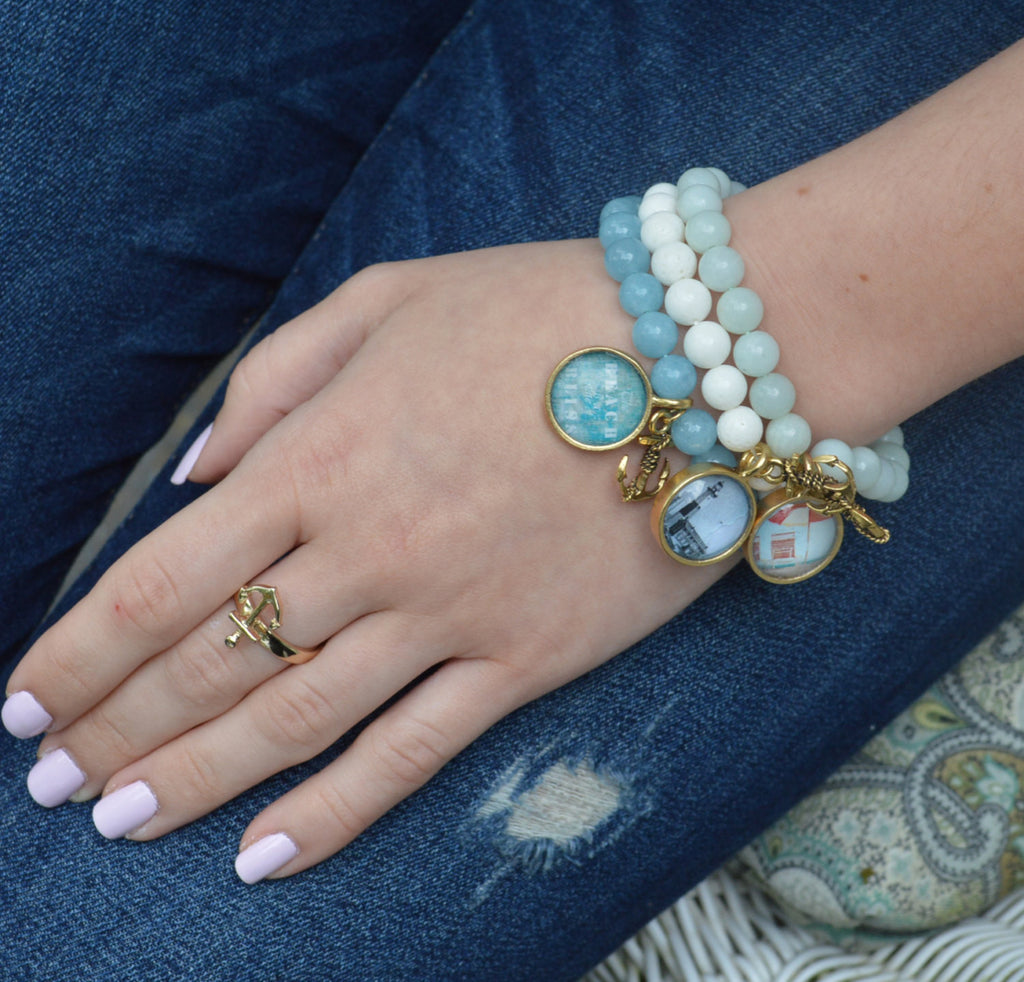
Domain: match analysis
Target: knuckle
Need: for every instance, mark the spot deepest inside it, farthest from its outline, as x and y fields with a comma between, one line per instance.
x=198, y=775
x=410, y=750
x=145, y=596
x=249, y=375
x=331, y=802
x=203, y=672
x=373, y=278
x=73, y=671
x=299, y=717
x=113, y=734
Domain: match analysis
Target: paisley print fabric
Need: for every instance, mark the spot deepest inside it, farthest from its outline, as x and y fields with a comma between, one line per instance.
x=925, y=826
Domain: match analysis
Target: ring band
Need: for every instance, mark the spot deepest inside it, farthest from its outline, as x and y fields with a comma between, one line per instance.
x=250, y=623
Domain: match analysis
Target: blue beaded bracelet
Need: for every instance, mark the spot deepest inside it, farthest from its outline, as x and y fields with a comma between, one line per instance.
x=669, y=250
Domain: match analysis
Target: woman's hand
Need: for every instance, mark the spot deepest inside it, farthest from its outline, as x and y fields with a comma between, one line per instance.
x=384, y=462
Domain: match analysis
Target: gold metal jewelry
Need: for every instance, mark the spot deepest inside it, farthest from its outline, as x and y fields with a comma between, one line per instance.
x=553, y=416
x=785, y=553
x=657, y=438
x=695, y=539
x=804, y=476
x=657, y=417
x=251, y=622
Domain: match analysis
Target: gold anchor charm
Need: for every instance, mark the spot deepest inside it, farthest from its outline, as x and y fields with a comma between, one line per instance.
x=656, y=440
x=252, y=624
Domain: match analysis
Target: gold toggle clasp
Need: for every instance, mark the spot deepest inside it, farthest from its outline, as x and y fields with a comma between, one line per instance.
x=804, y=476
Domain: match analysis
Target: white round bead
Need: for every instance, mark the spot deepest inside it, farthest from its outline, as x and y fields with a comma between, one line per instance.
x=837, y=448
x=739, y=429
x=735, y=187
x=673, y=261
x=661, y=228
x=707, y=344
x=655, y=203
x=688, y=301
x=664, y=187
x=723, y=387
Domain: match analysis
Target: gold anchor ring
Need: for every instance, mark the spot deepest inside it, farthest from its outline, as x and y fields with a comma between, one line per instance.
x=251, y=622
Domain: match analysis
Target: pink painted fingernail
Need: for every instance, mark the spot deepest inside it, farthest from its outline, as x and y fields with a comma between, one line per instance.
x=184, y=468
x=23, y=716
x=54, y=779
x=125, y=810
x=265, y=856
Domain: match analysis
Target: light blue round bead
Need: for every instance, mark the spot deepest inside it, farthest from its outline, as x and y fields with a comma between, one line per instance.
x=618, y=225
x=626, y=256
x=892, y=452
x=895, y=435
x=788, y=435
x=697, y=175
x=673, y=377
x=724, y=183
x=627, y=203
x=740, y=310
x=837, y=448
x=655, y=334
x=707, y=229
x=639, y=293
x=756, y=353
x=716, y=455
x=694, y=432
x=697, y=198
x=721, y=268
x=867, y=468
x=772, y=396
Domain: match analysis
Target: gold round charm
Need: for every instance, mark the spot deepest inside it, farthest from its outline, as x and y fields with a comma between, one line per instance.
x=790, y=541
x=598, y=399
x=703, y=514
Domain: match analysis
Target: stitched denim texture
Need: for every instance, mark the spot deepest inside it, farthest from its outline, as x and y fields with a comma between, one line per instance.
x=120, y=282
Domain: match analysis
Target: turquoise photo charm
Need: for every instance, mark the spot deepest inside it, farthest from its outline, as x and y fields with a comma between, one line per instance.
x=598, y=399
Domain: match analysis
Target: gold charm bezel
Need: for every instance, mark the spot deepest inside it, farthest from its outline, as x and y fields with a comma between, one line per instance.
x=767, y=507
x=675, y=484
x=607, y=446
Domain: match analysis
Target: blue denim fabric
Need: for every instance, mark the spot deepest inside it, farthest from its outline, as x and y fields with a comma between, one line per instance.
x=163, y=165
x=527, y=119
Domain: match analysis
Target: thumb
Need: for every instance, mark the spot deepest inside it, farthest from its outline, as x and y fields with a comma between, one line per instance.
x=289, y=367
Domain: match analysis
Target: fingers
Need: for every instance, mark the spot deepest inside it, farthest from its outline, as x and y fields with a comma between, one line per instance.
x=200, y=677
x=289, y=719
x=393, y=757
x=290, y=366
x=154, y=596
x=197, y=679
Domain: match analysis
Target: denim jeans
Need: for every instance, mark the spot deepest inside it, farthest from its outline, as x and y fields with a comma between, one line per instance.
x=173, y=171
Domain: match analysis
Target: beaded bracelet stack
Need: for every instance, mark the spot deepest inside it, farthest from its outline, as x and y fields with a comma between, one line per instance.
x=670, y=252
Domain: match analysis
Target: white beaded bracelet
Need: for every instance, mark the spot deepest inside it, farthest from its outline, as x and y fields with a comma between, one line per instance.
x=669, y=251
x=880, y=470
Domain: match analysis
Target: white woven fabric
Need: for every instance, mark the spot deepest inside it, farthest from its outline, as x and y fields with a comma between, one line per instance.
x=727, y=930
